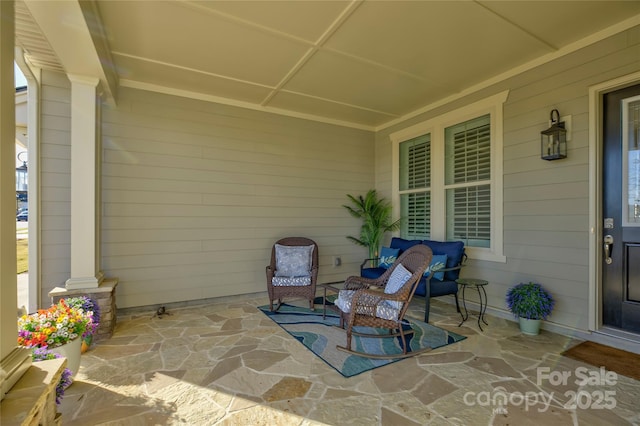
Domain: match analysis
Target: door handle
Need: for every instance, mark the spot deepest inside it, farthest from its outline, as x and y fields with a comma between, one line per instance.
x=608, y=240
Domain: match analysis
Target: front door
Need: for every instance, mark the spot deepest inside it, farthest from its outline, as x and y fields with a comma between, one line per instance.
x=621, y=210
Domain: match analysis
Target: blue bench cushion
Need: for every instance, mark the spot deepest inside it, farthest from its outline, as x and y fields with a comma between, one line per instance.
x=402, y=244
x=372, y=273
x=454, y=251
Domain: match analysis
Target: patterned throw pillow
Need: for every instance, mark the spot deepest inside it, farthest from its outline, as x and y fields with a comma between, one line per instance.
x=293, y=261
x=439, y=261
x=398, y=278
x=387, y=257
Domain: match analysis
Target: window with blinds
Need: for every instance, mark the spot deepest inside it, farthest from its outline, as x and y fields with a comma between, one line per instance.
x=416, y=215
x=415, y=183
x=448, y=177
x=469, y=215
x=415, y=163
x=468, y=182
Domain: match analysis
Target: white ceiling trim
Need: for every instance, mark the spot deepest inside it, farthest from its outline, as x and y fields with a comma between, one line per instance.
x=519, y=27
x=592, y=39
x=303, y=60
x=226, y=101
x=335, y=25
x=601, y=35
x=375, y=64
x=181, y=67
x=331, y=101
x=246, y=23
x=263, y=107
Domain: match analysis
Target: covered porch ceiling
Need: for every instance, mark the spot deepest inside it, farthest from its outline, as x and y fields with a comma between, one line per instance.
x=364, y=64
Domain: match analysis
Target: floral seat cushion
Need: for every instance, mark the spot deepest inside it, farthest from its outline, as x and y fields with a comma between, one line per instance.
x=385, y=309
x=291, y=281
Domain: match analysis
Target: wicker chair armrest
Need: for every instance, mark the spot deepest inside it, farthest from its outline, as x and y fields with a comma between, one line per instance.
x=364, y=262
x=355, y=282
x=453, y=268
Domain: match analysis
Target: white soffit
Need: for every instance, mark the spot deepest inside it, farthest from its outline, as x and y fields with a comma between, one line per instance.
x=364, y=64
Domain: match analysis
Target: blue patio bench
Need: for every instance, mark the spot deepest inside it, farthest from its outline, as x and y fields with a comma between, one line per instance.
x=441, y=282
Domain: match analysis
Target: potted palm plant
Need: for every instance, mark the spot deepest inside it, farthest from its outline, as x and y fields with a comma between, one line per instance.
x=375, y=214
x=530, y=303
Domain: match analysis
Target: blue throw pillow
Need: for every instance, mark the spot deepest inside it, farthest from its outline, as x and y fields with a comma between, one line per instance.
x=454, y=251
x=439, y=261
x=387, y=257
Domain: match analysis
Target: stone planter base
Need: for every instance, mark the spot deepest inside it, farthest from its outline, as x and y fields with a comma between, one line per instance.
x=105, y=296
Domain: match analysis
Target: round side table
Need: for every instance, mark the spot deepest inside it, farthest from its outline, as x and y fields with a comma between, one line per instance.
x=482, y=294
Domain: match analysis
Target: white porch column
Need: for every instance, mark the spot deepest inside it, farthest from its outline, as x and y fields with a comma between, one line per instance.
x=14, y=361
x=85, y=184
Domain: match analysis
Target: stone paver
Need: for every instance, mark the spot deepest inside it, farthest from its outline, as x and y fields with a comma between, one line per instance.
x=227, y=364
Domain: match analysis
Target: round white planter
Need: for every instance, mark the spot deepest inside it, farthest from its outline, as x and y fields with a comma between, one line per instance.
x=530, y=327
x=71, y=351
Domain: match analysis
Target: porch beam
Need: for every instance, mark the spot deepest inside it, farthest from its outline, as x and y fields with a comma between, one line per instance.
x=75, y=32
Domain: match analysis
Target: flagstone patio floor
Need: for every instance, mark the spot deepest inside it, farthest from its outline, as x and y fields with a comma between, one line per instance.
x=226, y=363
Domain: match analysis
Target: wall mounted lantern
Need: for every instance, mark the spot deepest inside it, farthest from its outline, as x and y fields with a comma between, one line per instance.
x=21, y=174
x=553, y=141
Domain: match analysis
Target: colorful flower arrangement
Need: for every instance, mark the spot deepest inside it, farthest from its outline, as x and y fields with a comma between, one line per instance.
x=530, y=301
x=67, y=320
x=89, y=307
x=55, y=326
x=42, y=354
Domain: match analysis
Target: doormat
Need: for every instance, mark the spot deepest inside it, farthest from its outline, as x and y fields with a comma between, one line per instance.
x=321, y=337
x=622, y=362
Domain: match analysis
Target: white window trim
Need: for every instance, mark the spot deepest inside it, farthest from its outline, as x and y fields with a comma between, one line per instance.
x=492, y=105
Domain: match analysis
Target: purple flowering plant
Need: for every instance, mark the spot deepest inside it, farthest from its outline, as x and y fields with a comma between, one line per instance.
x=530, y=301
x=89, y=307
x=42, y=354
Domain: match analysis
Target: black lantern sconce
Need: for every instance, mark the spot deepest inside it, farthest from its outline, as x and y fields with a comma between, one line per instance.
x=553, y=141
x=21, y=174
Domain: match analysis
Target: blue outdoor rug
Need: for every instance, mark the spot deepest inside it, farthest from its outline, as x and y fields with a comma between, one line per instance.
x=321, y=337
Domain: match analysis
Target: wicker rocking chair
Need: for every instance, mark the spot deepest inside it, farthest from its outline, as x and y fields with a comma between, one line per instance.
x=383, y=302
x=293, y=270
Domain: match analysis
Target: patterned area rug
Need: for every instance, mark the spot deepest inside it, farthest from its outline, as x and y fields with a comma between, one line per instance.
x=321, y=337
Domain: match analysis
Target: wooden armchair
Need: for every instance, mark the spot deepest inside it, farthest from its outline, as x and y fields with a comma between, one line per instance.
x=293, y=270
x=383, y=302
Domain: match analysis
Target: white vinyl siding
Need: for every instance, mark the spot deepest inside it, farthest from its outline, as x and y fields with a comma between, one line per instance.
x=195, y=194
x=449, y=178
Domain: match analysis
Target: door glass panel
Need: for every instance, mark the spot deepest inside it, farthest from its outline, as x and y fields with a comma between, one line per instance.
x=631, y=161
